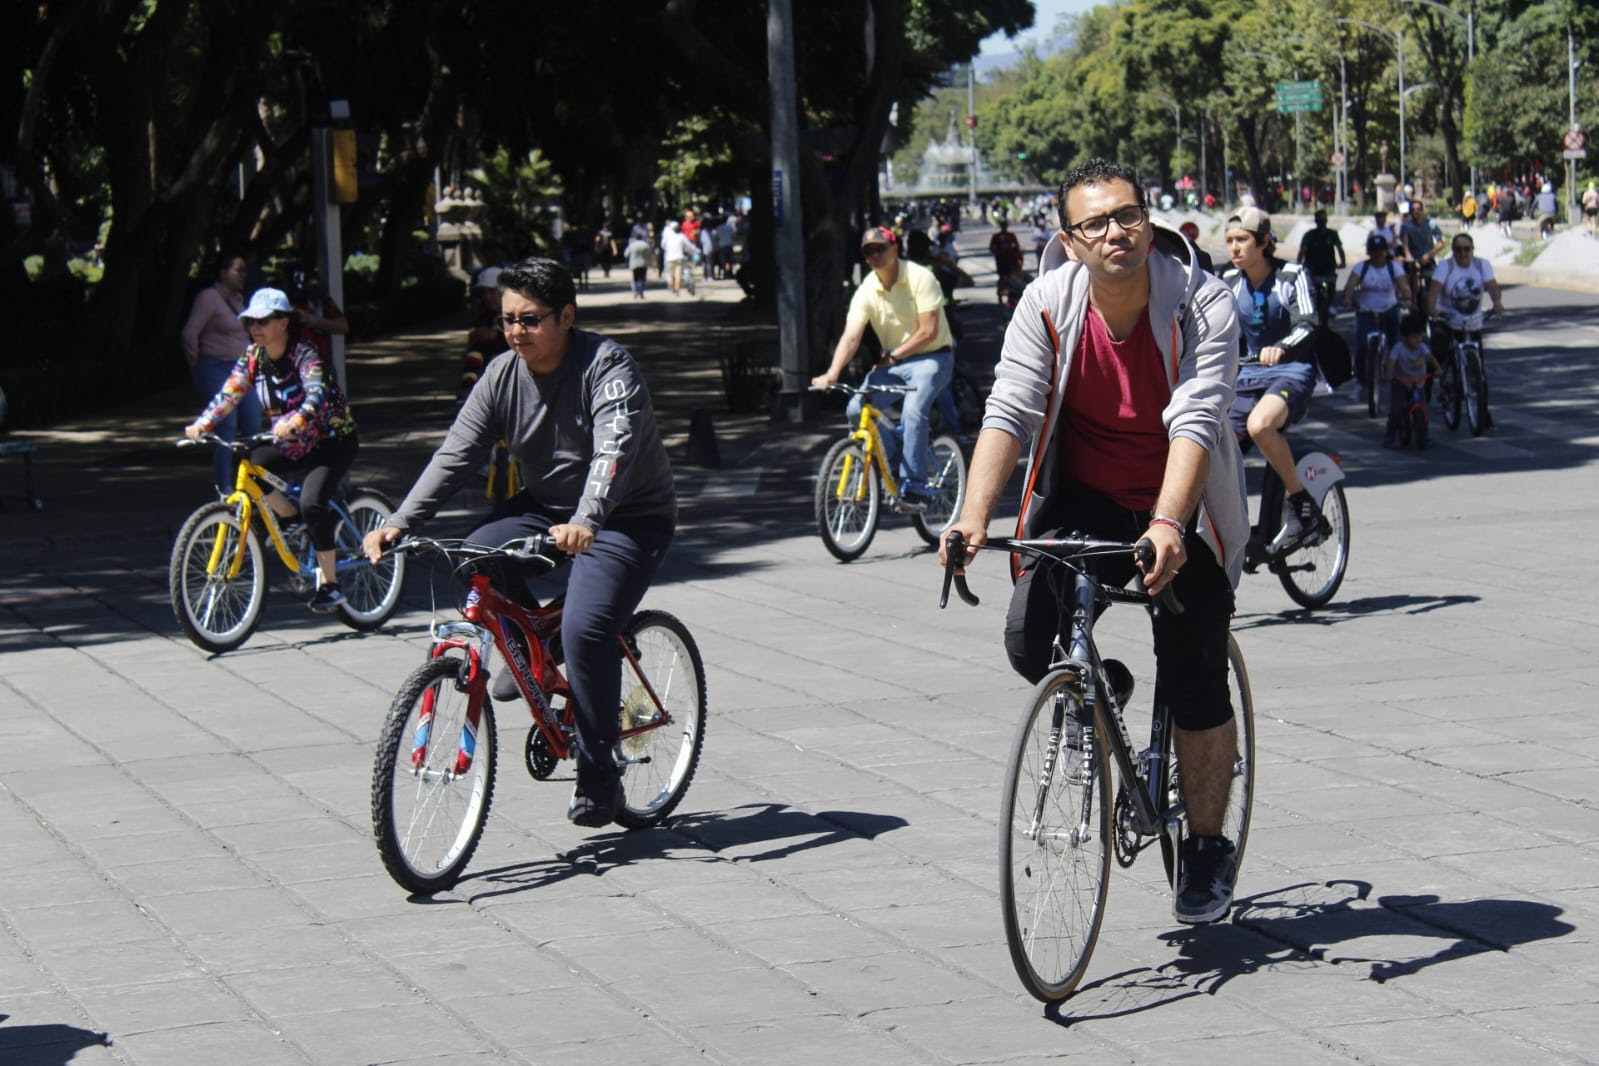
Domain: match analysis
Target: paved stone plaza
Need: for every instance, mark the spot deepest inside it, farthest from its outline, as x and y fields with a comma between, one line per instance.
x=189, y=873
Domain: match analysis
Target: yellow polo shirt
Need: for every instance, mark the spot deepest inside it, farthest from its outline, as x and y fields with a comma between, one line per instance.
x=892, y=312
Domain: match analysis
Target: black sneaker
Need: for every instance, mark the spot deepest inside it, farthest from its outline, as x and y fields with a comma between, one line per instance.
x=595, y=800
x=1205, y=881
x=326, y=598
x=1121, y=681
x=1301, y=525
x=502, y=686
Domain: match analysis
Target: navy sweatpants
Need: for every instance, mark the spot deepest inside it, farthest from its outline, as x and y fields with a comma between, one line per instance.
x=606, y=586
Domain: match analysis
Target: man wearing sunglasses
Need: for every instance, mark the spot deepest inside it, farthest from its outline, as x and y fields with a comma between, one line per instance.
x=1117, y=370
x=904, y=305
x=1455, y=293
x=575, y=411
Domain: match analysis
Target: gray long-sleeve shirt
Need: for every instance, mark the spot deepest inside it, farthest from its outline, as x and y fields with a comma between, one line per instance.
x=584, y=439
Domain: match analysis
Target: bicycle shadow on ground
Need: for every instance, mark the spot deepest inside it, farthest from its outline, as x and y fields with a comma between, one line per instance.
x=1299, y=927
x=735, y=836
x=1337, y=612
x=45, y=1045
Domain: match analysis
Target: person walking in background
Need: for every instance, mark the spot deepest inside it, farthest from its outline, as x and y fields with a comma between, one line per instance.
x=605, y=246
x=1590, y=209
x=638, y=254
x=483, y=338
x=213, y=340
x=677, y=256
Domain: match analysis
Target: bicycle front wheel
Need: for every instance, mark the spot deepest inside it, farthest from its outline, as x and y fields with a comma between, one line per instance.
x=1241, y=790
x=1054, y=842
x=371, y=590
x=433, y=778
x=847, y=500
x=658, y=760
x=217, y=610
x=1311, y=574
x=1475, y=391
x=946, y=487
x=1449, y=396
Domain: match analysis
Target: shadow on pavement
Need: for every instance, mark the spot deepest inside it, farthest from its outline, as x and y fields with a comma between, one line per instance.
x=1337, y=612
x=45, y=1045
x=708, y=832
x=1302, y=924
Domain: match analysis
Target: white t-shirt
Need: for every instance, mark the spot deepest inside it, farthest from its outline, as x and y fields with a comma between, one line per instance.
x=1377, y=285
x=1461, y=288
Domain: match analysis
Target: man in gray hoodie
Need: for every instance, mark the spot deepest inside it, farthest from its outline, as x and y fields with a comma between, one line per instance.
x=1118, y=370
x=576, y=414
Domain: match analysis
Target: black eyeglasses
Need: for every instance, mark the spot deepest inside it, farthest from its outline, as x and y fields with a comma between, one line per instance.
x=1461, y=248
x=248, y=322
x=1128, y=218
x=528, y=321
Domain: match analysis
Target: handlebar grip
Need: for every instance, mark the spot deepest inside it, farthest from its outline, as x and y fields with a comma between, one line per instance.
x=1144, y=554
x=954, y=558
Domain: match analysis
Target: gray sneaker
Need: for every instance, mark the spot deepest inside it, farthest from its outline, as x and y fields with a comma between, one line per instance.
x=1205, y=880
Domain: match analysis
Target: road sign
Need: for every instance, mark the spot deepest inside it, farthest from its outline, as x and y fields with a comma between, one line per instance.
x=1338, y=159
x=1288, y=106
x=971, y=122
x=1575, y=140
x=1294, y=96
x=1575, y=153
x=1299, y=86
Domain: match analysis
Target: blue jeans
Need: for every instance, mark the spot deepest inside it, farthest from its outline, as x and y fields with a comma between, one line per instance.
x=928, y=374
x=208, y=377
x=1366, y=322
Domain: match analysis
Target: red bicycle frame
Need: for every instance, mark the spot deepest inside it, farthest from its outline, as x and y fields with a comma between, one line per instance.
x=487, y=618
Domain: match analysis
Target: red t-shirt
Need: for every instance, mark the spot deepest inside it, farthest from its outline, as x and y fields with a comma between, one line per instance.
x=1113, y=439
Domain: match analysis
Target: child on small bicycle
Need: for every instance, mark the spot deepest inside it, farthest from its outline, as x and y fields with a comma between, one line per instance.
x=314, y=439
x=1409, y=362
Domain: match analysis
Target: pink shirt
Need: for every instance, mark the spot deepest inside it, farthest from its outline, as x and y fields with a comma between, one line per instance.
x=213, y=330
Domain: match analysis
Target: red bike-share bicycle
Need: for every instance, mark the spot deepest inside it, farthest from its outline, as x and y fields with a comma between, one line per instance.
x=433, y=778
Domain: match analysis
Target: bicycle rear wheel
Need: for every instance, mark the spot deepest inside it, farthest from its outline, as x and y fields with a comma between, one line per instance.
x=216, y=611
x=946, y=486
x=1241, y=793
x=428, y=810
x=371, y=590
x=847, y=500
x=658, y=764
x=1311, y=574
x=1054, y=843
x=1475, y=391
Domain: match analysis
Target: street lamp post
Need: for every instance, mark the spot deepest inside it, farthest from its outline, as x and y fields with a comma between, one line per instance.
x=1399, y=50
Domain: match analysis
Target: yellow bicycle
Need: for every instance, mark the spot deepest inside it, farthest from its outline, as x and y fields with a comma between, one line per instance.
x=859, y=473
x=217, y=576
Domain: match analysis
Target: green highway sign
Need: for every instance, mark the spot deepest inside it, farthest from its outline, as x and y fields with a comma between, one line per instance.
x=1304, y=105
x=1299, y=87
x=1294, y=96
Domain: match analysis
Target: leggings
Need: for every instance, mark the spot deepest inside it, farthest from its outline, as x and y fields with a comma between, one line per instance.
x=604, y=589
x=319, y=472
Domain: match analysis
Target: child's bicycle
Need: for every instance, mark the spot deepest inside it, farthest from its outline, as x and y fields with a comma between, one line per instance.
x=217, y=574
x=858, y=473
x=1058, y=827
x=1407, y=426
x=433, y=777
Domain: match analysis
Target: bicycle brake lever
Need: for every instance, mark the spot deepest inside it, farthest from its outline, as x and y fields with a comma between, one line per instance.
x=955, y=554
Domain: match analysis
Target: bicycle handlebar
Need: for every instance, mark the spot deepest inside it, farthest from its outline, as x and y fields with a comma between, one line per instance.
x=539, y=547
x=839, y=386
x=239, y=447
x=1062, y=550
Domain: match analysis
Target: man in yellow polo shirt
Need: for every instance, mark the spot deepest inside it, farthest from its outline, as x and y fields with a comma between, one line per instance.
x=904, y=305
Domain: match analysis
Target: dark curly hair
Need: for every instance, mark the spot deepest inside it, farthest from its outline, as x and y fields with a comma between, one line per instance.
x=1097, y=171
x=544, y=280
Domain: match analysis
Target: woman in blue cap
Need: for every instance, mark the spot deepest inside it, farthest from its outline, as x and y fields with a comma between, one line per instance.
x=314, y=438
